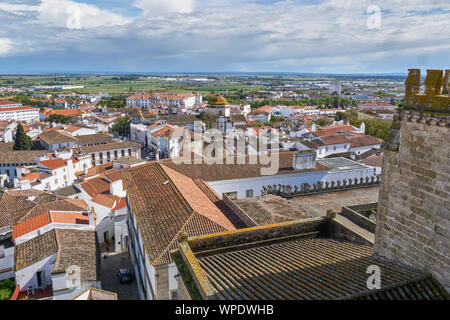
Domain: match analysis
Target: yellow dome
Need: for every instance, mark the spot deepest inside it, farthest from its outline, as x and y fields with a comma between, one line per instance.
x=218, y=101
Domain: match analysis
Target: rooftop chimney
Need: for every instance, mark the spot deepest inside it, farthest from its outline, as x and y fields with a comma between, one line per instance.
x=304, y=160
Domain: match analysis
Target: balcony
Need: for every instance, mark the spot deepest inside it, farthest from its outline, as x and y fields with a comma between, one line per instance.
x=37, y=295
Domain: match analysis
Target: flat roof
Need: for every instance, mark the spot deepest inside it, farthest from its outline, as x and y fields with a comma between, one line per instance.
x=341, y=164
x=129, y=161
x=271, y=209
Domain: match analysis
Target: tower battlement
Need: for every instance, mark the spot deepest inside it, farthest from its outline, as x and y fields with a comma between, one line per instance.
x=413, y=217
x=435, y=97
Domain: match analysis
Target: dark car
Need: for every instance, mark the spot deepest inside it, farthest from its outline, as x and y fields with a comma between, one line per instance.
x=124, y=276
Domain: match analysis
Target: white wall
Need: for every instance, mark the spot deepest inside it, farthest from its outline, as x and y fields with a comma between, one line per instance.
x=241, y=185
x=27, y=276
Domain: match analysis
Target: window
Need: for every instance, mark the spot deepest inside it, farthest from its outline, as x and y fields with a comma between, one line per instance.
x=249, y=193
x=174, y=295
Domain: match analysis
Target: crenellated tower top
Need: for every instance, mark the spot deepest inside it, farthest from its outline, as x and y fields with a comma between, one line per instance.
x=435, y=97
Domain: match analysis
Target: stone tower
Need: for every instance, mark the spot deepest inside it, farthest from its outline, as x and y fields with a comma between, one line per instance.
x=413, y=219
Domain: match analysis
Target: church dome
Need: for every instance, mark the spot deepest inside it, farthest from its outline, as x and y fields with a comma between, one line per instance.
x=218, y=101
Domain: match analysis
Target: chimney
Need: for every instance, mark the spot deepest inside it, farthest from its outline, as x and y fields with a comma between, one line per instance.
x=304, y=160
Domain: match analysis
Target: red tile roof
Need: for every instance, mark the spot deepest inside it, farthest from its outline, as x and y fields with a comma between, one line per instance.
x=332, y=130
x=17, y=109
x=106, y=200
x=69, y=217
x=31, y=225
x=95, y=186
x=54, y=163
x=120, y=205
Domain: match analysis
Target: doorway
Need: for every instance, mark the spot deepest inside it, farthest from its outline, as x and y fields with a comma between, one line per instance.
x=40, y=279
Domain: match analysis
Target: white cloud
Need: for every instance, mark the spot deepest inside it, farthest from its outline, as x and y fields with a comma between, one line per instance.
x=6, y=46
x=159, y=7
x=179, y=35
x=64, y=13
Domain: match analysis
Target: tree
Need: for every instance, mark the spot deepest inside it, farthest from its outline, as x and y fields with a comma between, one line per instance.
x=209, y=119
x=22, y=141
x=323, y=122
x=122, y=126
x=58, y=118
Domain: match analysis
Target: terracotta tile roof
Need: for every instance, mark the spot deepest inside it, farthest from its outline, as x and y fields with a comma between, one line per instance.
x=362, y=140
x=79, y=248
x=56, y=136
x=332, y=130
x=264, y=109
x=215, y=172
x=13, y=208
x=69, y=217
x=67, y=191
x=6, y=146
x=33, y=176
x=197, y=199
x=7, y=102
x=95, y=186
x=106, y=200
x=21, y=157
x=65, y=112
x=164, y=132
x=164, y=203
x=122, y=203
x=424, y=288
x=114, y=175
x=214, y=197
x=34, y=250
x=58, y=205
x=53, y=164
x=319, y=268
x=334, y=139
x=17, y=109
x=94, y=139
x=30, y=225
x=111, y=146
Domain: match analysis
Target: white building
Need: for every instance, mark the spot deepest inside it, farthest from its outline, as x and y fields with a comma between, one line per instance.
x=10, y=110
x=157, y=194
x=53, y=267
x=295, y=169
x=177, y=100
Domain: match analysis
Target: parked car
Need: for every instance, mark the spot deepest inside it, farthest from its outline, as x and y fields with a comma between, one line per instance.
x=124, y=276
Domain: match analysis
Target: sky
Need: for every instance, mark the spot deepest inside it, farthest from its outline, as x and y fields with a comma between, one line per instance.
x=303, y=36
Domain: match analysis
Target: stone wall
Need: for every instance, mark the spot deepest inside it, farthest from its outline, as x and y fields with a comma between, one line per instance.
x=362, y=221
x=238, y=212
x=413, y=218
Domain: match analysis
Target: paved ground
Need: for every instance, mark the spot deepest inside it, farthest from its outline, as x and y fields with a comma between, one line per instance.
x=110, y=266
x=272, y=209
x=318, y=205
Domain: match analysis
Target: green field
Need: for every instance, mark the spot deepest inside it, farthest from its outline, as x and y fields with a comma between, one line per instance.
x=120, y=85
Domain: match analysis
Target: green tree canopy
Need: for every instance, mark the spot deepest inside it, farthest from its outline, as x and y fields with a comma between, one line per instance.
x=59, y=118
x=209, y=119
x=122, y=126
x=22, y=141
